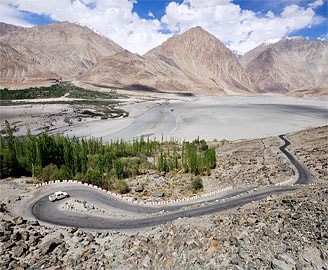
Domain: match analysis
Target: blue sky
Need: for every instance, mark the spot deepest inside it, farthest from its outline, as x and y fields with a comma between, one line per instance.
x=144, y=24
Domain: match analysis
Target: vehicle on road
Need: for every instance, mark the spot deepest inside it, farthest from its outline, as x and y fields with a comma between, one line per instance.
x=58, y=196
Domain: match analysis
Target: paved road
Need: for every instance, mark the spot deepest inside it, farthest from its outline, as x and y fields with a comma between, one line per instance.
x=44, y=210
x=304, y=176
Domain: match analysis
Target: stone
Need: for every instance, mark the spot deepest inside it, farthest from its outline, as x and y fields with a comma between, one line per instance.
x=16, y=236
x=18, y=251
x=233, y=241
x=33, y=223
x=139, y=188
x=298, y=266
x=90, y=237
x=7, y=245
x=4, y=238
x=251, y=221
x=49, y=246
x=146, y=262
x=280, y=265
x=6, y=225
x=287, y=259
x=34, y=240
x=214, y=246
x=73, y=230
x=19, y=220
x=25, y=235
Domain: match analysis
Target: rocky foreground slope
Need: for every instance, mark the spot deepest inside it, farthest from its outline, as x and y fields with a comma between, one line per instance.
x=288, y=231
x=283, y=232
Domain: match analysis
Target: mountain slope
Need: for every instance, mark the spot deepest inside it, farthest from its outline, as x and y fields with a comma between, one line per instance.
x=290, y=64
x=128, y=70
x=7, y=28
x=59, y=50
x=205, y=59
x=194, y=62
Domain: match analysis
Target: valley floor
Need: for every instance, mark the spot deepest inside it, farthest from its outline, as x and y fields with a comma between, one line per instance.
x=168, y=116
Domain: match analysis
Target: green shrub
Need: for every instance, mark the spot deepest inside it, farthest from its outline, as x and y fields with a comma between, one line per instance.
x=197, y=184
x=121, y=186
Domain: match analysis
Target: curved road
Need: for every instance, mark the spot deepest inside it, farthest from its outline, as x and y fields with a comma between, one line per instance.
x=44, y=210
x=304, y=176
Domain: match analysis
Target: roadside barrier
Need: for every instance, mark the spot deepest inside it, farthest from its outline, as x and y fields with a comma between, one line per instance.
x=290, y=181
x=134, y=200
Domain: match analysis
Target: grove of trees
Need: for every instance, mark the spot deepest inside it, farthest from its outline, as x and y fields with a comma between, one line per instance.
x=48, y=157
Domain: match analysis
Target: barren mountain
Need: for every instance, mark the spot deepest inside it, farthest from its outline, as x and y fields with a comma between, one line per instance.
x=290, y=64
x=205, y=59
x=7, y=28
x=15, y=67
x=58, y=50
x=194, y=62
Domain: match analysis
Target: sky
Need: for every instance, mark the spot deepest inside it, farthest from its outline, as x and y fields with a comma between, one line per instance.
x=140, y=25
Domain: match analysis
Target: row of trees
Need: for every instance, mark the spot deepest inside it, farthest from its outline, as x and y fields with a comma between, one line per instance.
x=53, y=91
x=107, y=165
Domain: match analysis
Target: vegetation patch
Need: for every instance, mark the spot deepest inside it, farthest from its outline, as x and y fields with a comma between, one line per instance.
x=107, y=165
x=55, y=91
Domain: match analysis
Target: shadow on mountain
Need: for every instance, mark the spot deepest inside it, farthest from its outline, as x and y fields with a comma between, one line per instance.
x=143, y=88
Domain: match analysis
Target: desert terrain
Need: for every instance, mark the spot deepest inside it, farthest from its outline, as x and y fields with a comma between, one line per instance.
x=168, y=116
x=287, y=231
x=192, y=86
x=274, y=232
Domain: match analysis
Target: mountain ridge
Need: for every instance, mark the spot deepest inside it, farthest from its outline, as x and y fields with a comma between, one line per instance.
x=193, y=62
x=59, y=50
x=288, y=65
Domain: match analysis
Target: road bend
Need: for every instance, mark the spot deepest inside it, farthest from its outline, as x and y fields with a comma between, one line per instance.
x=50, y=212
x=304, y=176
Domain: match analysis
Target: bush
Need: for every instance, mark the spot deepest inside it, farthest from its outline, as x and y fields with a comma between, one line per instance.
x=197, y=184
x=121, y=186
x=49, y=172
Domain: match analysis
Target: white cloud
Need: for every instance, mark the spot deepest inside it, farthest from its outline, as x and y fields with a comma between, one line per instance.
x=11, y=15
x=241, y=29
x=316, y=4
x=150, y=14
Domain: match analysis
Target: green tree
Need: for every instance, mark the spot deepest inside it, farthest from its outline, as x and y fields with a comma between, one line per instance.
x=49, y=172
x=8, y=157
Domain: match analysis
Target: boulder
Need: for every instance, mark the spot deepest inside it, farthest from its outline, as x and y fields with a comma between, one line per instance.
x=280, y=265
x=19, y=220
x=49, y=246
x=18, y=251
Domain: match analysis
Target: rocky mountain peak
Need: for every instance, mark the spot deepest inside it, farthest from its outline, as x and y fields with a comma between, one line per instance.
x=196, y=41
x=195, y=61
x=56, y=50
x=287, y=65
x=7, y=28
x=203, y=57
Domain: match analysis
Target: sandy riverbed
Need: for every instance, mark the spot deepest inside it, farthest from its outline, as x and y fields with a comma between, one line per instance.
x=176, y=117
x=209, y=118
